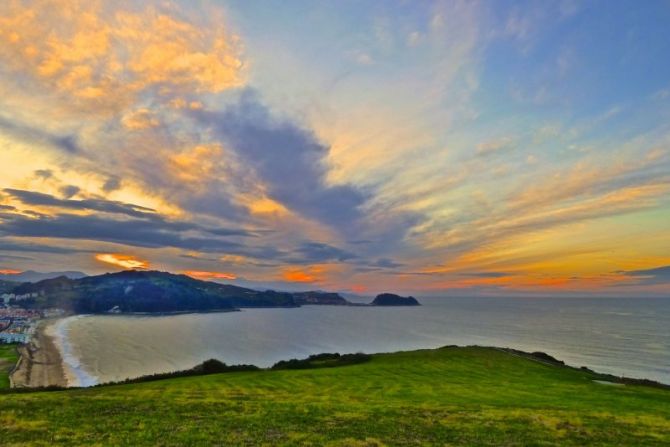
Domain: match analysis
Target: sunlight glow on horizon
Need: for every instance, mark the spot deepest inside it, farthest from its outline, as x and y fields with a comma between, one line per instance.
x=436, y=147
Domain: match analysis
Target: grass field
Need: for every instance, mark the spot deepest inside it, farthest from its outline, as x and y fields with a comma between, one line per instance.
x=450, y=396
x=8, y=358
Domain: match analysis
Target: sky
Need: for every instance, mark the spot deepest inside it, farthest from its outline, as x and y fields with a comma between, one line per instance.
x=435, y=148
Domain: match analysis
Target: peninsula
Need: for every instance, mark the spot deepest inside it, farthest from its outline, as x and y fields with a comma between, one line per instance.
x=137, y=291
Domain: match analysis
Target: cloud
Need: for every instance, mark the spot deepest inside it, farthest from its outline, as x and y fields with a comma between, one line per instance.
x=494, y=146
x=19, y=258
x=158, y=233
x=288, y=160
x=658, y=275
x=139, y=119
x=135, y=232
x=69, y=191
x=111, y=184
x=387, y=263
x=38, y=136
x=316, y=252
x=485, y=274
x=41, y=199
x=204, y=275
x=122, y=260
x=44, y=173
x=8, y=245
x=310, y=274
x=101, y=57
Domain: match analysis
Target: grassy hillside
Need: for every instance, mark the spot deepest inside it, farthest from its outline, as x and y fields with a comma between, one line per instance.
x=451, y=396
x=8, y=358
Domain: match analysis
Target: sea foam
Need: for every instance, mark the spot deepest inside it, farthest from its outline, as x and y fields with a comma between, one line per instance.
x=75, y=374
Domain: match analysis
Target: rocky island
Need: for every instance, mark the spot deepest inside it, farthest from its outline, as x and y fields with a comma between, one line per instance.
x=391, y=299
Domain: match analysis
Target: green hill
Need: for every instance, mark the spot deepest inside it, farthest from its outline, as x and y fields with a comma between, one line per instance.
x=152, y=291
x=8, y=358
x=450, y=396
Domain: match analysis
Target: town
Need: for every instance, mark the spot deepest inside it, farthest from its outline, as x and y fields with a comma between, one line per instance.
x=17, y=325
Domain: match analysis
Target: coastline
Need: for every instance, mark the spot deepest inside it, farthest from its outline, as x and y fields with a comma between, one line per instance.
x=40, y=362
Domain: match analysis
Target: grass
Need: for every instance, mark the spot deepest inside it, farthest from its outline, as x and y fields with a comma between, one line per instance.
x=8, y=358
x=450, y=396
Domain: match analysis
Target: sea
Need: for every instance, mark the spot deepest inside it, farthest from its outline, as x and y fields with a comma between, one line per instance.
x=621, y=336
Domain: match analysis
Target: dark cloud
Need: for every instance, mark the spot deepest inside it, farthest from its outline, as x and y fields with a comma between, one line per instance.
x=288, y=159
x=658, y=275
x=44, y=173
x=111, y=184
x=69, y=191
x=66, y=143
x=108, y=206
x=135, y=232
x=387, y=263
x=315, y=252
x=156, y=233
x=8, y=245
x=16, y=258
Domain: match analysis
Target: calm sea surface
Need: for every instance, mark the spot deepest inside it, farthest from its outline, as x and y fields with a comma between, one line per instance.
x=620, y=336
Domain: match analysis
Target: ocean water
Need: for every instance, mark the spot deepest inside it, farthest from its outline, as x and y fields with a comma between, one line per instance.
x=628, y=337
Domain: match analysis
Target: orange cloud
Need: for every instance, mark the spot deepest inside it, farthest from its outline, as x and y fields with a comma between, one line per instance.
x=307, y=275
x=233, y=259
x=139, y=119
x=298, y=276
x=359, y=288
x=197, y=274
x=100, y=60
x=121, y=260
x=9, y=272
x=197, y=164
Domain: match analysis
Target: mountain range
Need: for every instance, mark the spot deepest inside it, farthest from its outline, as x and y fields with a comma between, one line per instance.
x=33, y=276
x=154, y=291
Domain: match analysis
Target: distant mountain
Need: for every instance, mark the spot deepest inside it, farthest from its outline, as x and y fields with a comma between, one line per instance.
x=319, y=298
x=152, y=291
x=390, y=299
x=33, y=276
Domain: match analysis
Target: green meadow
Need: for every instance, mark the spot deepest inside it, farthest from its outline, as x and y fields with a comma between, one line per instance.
x=450, y=396
x=8, y=358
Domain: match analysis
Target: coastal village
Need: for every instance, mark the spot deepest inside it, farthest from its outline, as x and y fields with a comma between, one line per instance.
x=18, y=325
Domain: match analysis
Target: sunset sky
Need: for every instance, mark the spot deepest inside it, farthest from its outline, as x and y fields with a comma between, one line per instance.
x=455, y=148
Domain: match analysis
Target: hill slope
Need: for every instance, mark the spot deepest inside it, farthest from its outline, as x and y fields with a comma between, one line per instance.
x=153, y=291
x=454, y=396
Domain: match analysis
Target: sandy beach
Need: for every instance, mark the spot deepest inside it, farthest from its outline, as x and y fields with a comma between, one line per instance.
x=40, y=364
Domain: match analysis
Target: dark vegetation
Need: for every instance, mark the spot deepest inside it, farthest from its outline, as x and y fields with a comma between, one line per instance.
x=211, y=366
x=325, y=360
x=390, y=299
x=151, y=291
x=7, y=286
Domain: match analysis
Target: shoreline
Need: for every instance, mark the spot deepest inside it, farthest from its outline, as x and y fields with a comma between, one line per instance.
x=50, y=361
x=40, y=361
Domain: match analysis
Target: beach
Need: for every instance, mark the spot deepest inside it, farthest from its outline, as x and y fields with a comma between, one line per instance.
x=40, y=363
